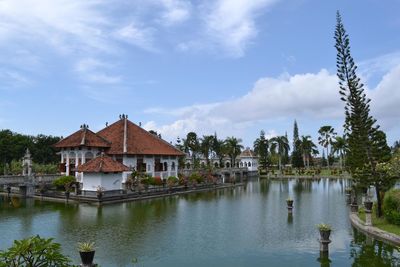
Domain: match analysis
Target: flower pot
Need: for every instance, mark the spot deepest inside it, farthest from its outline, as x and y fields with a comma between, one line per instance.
x=87, y=257
x=368, y=205
x=325, y=234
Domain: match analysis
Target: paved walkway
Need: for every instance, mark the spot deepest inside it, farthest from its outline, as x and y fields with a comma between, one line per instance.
x=374, y=231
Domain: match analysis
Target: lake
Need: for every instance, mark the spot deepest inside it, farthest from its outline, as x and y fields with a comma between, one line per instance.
x=243, y=226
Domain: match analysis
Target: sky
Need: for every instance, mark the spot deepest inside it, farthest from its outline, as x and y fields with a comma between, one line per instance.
x=234, y=67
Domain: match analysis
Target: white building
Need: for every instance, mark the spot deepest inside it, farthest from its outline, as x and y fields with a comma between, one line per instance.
x=124, y=142
x=247, y=159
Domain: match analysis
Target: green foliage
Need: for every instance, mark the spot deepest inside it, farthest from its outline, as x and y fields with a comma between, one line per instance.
x=233, y=148
x=45, y=168
x=34, y=252
x=86, y=246
x=280, y=146
x=391, y=206
x=324, y=227
x=261, y=147
x=196, y=177
x=13, y=146
x=63, y=182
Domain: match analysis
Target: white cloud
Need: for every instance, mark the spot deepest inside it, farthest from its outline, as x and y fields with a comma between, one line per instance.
x=93, y=70
x=231, y=24
x=176, y=11
x=64, y=24
x=11, y=79
x=386, y=99
x=310, y=96
x=137, y=35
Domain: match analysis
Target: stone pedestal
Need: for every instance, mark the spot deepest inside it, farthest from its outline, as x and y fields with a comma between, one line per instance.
x=290, y=209
x=368, y=218
x=324, y=246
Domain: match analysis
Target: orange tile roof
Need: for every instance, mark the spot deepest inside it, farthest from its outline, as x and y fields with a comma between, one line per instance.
x=102, y=163
x=138, y=140
x=83, y=137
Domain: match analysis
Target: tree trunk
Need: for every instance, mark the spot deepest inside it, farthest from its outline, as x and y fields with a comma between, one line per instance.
x=279, y=163
x=327, y=157
x=378, y=202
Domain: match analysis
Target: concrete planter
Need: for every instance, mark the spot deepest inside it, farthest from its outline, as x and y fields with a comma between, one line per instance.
x=368, y=205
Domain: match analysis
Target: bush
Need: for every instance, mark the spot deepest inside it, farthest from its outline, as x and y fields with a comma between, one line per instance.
x=391, y=206
x=196, y=177
x=172, y=179
x=62, y=181
x=34, y=251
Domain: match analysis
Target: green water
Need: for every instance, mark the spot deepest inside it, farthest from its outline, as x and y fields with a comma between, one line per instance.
x=244, y=226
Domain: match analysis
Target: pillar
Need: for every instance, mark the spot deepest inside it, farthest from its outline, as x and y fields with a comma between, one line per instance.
x=368, y=218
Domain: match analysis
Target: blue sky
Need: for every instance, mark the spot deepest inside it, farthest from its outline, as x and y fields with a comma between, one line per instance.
x=230, y=66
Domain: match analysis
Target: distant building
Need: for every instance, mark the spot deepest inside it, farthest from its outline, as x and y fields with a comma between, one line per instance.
x=118, y=149
x=247, y=159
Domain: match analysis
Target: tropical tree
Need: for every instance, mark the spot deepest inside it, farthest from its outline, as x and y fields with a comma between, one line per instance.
x=206, y=146
x=192, y=145
x=367, y=146
x=339, y=146
x=233, y=148
x=261, y=147
x=280, y=145
x=307, y=148
x=219, y=148
x=327, y=133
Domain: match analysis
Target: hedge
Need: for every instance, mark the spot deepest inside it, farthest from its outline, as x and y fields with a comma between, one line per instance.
x=391, y=206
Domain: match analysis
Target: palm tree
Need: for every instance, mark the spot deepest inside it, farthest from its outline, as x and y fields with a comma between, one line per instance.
x=261, y=147
x=280, y=144
x=219, y=148
x=307, y=148
x=339, y=145
x=325, y=139
x=233, y=148
x=206, y=147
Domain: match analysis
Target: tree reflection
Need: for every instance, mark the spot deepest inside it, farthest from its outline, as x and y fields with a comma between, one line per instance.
x=369, y=252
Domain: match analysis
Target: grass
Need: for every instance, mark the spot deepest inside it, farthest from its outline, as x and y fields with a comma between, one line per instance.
x=380, y=223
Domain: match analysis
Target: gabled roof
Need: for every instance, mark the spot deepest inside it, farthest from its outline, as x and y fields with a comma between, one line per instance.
x=102, y=163
x=128, y=138
x=83, y=137
x=248, y=153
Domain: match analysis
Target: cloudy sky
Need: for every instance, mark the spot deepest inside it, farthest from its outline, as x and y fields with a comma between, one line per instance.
x=228, y=66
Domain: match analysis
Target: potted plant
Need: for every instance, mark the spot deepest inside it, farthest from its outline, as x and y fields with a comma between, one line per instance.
x=368, y=204
x=86, y=251
x=289, y=202
x=324, y=230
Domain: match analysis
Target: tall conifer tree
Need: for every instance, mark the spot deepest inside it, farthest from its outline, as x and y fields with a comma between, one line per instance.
x=367, y=145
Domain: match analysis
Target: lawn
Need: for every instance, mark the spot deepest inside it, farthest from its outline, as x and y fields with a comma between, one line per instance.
x=380, y=223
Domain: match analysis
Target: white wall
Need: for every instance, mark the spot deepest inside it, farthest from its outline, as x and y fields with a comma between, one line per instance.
x=109, y=181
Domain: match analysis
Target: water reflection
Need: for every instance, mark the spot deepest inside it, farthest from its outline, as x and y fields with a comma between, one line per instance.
x=242, y=226
x=365, y=251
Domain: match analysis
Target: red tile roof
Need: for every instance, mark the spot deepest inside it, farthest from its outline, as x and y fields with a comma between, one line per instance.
x=103, y=163
x=138, y=140
x=83, y=137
